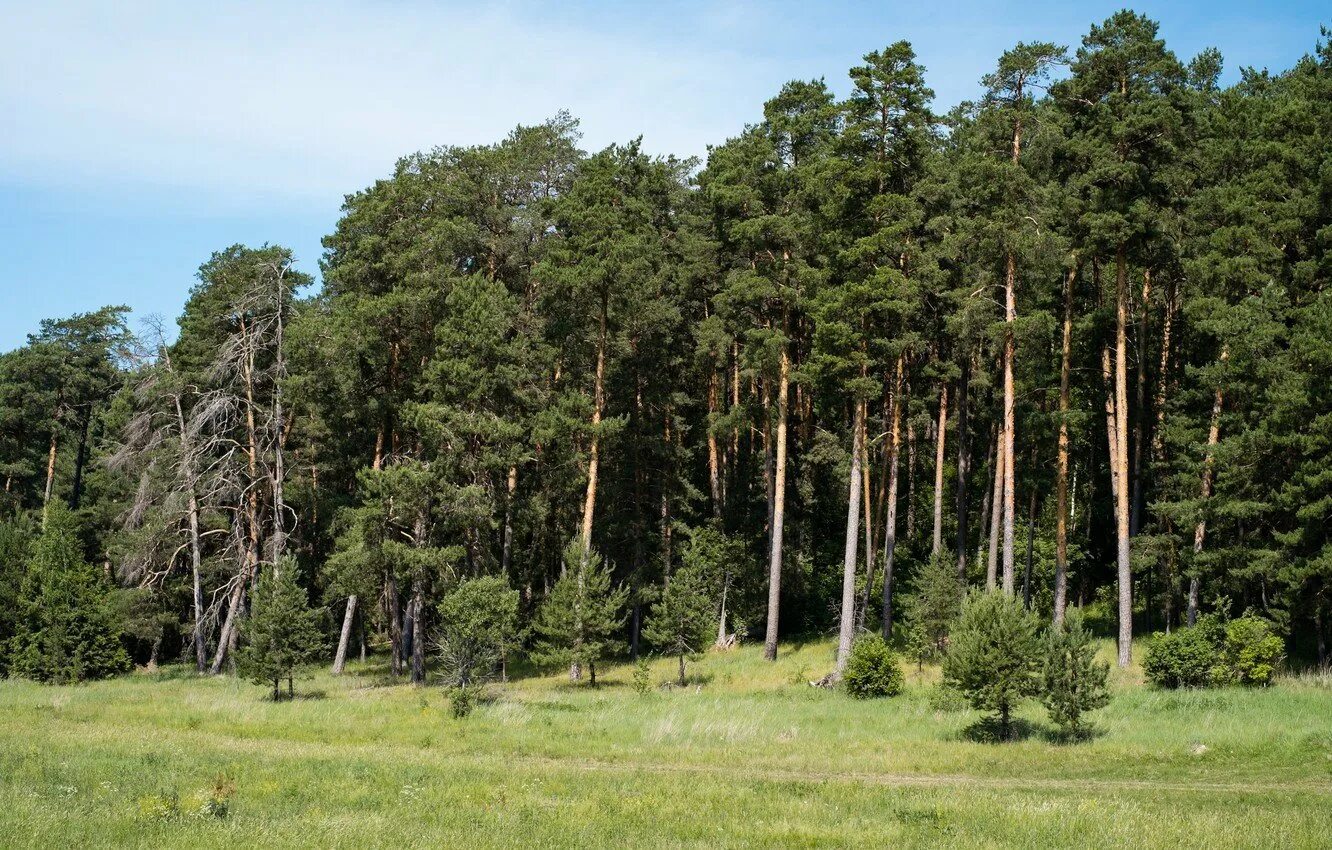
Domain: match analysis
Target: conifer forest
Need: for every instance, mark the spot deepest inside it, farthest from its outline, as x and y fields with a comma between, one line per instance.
x=1018, y=409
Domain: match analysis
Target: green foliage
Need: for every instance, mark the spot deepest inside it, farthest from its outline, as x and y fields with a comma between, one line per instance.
x=872, y=670
x=642, y=677
x=932, y=608
x=576, y=624
x=681, y=622
x=1244, y=651
x=462, y=700
x=1251, y=651
x=15, y=542
x=283, y=634
x=994, y=655
x=478, y=627
x=1073, y=682
x=66, y=630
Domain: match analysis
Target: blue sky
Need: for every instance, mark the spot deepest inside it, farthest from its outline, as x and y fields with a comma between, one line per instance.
x=139, y=137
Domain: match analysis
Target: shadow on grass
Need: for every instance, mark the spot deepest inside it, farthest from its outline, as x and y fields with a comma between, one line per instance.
x=988, y=730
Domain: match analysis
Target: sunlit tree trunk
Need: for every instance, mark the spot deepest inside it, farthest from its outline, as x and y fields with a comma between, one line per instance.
x=1121, y=460
x=849, y=556
x=890, y=526
x=1061, y=463
x=941, y=431
x=778, y=510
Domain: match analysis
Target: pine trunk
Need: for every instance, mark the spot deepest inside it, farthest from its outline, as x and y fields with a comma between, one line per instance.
x=1009, y=493
x=340, y=659
x=1122, y=460
x=936, y=545
x=849, y=556
x=890, y=526
x=1061, y=464
x=1200, y=530
x=778, y=512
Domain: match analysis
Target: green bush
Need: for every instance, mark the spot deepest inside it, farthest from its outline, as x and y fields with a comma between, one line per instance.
x=872, y=670
x=1244, y=651
x=1251, y=652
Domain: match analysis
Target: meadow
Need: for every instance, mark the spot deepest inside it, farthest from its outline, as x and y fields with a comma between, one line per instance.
x=747, y=755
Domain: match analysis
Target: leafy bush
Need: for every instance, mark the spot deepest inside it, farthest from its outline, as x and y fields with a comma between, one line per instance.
x=1073, y=682
x=1251, y=652
x=872, y=670
x=994, y=654
x=1183, y=658
x=1244, y=651
x=462, y=699
x=642, y=677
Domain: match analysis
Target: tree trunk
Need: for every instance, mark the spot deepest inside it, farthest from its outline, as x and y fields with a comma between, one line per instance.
x=682, y=671
x=1200, y=530
x=80, y=460
x=225, y=639
x=996, y=513
x=278, y=473
x=1140, y=411
x=714, y=464
x=418, y=632
x=1031, y=544
x=1009, y=493
x=849, y=557
x=507, y=545
x=868, y=516
x=1061, y=464
x=598, y=404
x=1122, y=458
x=50, y=474
x=196, y=579
x=778, y=512
x=942, y=430
x=340, y=659
x=963, y=464
x=393, y=608
x=890, y=527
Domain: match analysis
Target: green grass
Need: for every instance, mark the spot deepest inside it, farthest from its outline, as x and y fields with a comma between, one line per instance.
x=748, y=755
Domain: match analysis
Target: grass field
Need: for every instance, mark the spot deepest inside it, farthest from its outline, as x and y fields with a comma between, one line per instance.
x=748, y=756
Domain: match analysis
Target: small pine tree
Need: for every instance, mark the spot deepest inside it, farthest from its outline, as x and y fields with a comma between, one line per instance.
x=66, y=630
x=583, y=611
x=1073, y=682
x=932, y=609
x=478, y=626
x=681, y=621
x=994, y=654
x=282, y=634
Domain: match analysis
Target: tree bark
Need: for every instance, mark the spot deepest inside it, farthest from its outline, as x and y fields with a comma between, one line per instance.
x=50, y=474
x=418, y=632
x=1200, y=530
x=507, y=546
x=963, y=464
x=1122, y=459
x=849, y=556
x=1061, y=464
x=714, y=464
x=996, y=513
x=1031, y=544
x=1009, y=493
x=941, y=431
x=890, y=527
x=393, y=608
x=340, y=659
x=598, y=404
x=1140, y=411
x=778, y=511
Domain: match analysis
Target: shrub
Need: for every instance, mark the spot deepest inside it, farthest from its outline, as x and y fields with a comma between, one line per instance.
x=642, y=677
x=1244, y=651
x=462, y=699
x=994, y=654
x=1251, y=651
x=1073, y=682
x=872, y=670
x=1183, y=658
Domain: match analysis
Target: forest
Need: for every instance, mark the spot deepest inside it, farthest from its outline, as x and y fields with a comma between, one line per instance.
x=1070, y=343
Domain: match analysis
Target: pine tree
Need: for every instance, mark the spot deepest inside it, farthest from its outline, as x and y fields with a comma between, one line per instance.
x=1073, y=682
x=282, y=635
x=66, y=629
x=994, y=654
x=583, y=611
x=680, y=622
